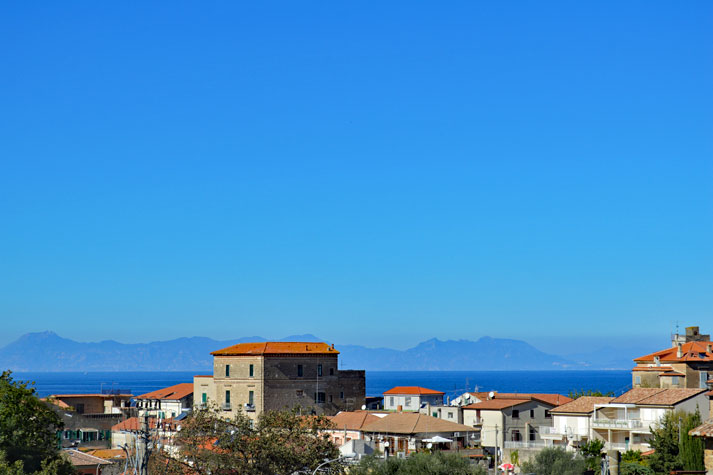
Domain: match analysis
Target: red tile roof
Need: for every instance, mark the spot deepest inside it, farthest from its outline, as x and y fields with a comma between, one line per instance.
x=178, y=391
x=652, y=368
x=657, y=396
x=691, y=351
x=413, y=390
x=277, y=348
x=414, y=423
x=553, y=399
x=133, y=424
x=80, y=459
x=581, y=405
x=703, y=430
x=353, y=420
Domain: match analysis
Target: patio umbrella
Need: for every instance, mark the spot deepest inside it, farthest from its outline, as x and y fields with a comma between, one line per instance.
x=437, y=439
x=506, y=466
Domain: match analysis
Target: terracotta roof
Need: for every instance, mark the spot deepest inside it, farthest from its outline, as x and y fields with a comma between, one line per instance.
x=415, y=390
x=106, y=453
x=657, y=396
x=203, y=376
x=652, y=368
x=277, y=348
x=178, y=391
x=80, y=459
x=671, y=373
x=691, y=351
x=703, y=430
x=496, y=404
x=414, y=423
x=354, y=420
x=133, y=424
x=56, y=402
x=553, y=399
x=581, y=405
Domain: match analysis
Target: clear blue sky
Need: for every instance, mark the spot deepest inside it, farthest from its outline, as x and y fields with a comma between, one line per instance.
x=370, y=172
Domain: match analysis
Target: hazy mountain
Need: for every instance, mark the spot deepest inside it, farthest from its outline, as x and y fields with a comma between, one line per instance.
x=47, y=351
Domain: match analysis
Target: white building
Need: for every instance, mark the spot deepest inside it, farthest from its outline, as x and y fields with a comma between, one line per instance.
x=168, y=402
x=624, y=423
x=410, y=398
x=572, y=422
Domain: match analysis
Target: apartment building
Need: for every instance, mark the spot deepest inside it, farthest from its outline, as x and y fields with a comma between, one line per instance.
x=411, y=398
x=688, y=363
x=168, y=402
x=257, y=377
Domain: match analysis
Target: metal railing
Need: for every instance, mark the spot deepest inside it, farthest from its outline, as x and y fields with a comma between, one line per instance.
x=617, y=423
x=525, y=444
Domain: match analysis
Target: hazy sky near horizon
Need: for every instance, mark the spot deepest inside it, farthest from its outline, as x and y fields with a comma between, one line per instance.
x=369, y=172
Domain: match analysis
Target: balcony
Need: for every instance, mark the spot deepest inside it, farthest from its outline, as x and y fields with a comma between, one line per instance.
x=526, y=444
x=478, y=421
x=625, y=424
x=547, y=432
x=249, y=407
x=226, y=406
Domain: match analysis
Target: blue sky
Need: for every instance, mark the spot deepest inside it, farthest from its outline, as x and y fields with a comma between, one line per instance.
x=371, y=173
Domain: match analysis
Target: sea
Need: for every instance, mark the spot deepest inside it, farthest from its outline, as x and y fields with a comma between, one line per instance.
x=453, y=383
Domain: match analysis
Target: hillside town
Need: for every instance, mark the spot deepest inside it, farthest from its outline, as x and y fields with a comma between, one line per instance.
x=495, y=430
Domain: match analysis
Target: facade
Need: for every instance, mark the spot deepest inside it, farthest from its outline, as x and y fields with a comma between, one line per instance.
x=686, y=364
x=448, y=413
x=93, y=404
x=256, y=377
x=572, y=422
x=167, y=403
x=624, y=423
x=404, y=432
x=410, y=398
x=511, y=420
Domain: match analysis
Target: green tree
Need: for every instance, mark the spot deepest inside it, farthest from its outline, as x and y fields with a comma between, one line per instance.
x=592, y=453
x=436, y=463
x=627, y=468
x=574, y=394
x=555, y=461
x=674, y=449
x=279, y=442
x=28, y=430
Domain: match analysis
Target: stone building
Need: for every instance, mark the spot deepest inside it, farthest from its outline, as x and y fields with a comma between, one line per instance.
x=256, y=377
x=688, y=363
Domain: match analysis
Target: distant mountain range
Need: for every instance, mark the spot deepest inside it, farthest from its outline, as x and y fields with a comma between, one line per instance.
x=47, y=351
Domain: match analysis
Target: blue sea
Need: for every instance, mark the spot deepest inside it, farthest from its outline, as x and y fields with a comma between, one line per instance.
x=453, y=383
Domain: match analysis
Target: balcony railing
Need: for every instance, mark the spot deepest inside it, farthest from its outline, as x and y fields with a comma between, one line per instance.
x=548, y=430
x=525, y=444
x=617, y=424
x=478, y=421
x=226, y=406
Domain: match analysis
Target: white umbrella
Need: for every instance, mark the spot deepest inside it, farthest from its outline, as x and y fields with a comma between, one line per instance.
x=437, y=439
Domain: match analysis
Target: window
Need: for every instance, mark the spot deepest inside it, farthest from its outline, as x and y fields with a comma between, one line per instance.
x=532, y=413
x=515, y=414
x=533, y=435
x=319, y=370
x=515, y=436
x=319, y=397
x=703, y=379
x=637, y=380
x=331, y=371
x=204, y=398
x=227, y=371
x=330, y=398
x=341, y=395
x=407, y=401
x=674, y=380
x=251, y=397
x=252, y=370
x=300, y=393
x=227, y=396
x=300, y=371
x=450, y=415
x=391, y=401
x=547, y=414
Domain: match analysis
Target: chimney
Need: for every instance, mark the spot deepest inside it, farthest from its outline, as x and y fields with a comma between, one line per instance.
x=657, y=361
x=332, y=345
x=709, y=348
x=679, y=351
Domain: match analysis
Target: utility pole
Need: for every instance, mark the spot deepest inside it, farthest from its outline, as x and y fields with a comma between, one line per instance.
x=144, y=451
x=496, y=447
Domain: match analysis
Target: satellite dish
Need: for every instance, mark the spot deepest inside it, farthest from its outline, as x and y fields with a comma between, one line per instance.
x=363, y=407
x=491, y=394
